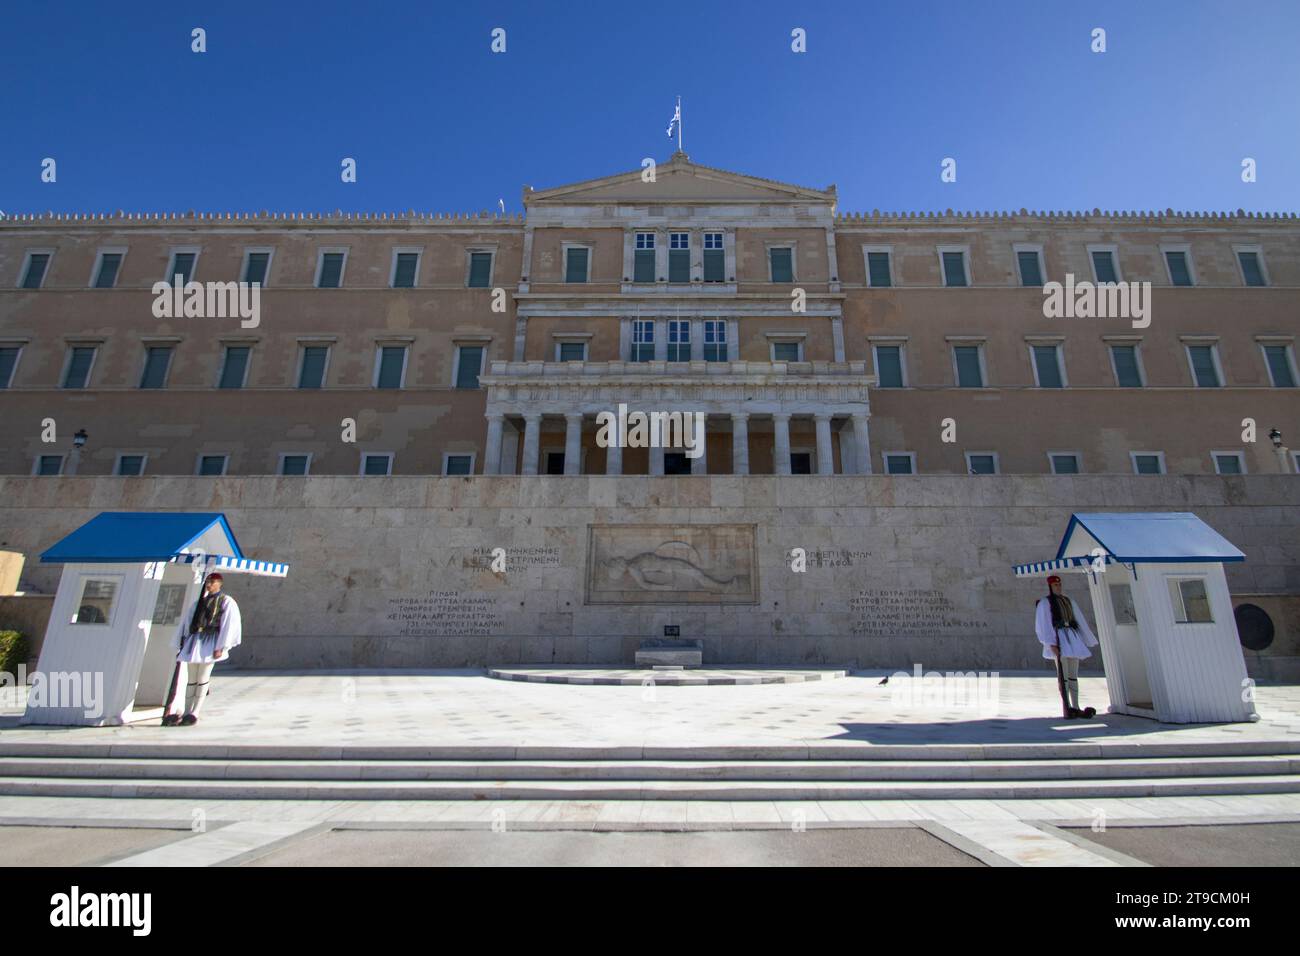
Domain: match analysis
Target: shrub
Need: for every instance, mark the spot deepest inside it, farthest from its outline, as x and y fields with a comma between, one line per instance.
x=13, y=651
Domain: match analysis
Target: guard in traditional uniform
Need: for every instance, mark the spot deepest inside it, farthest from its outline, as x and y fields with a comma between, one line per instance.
x=1066, y=637
x=211, y=631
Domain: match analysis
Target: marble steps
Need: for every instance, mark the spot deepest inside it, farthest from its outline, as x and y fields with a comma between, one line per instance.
x=646, y=790
x=803, y=771
x=173, y=746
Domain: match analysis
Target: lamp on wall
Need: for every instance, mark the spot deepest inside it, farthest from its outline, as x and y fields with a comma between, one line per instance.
x=1283, y=453
x=78, y=442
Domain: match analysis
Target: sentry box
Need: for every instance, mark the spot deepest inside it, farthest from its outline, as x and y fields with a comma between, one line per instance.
x=128, y=579
x=1164, y=616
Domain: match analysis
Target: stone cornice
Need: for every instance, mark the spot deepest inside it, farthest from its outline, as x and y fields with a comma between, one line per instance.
x=588, y=374
x=278, y=220
x=847, y=220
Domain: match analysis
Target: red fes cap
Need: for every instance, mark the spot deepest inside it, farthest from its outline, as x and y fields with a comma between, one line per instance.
x=214, y=576
x=1054, y=579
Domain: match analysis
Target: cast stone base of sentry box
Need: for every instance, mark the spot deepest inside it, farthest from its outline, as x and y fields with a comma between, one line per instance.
x=669, y=653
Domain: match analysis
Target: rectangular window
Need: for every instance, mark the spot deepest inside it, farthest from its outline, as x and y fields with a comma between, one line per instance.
x=900, y=463
x=1121, y=600
x=8, y=362
x=1103, y=265
x=157, y=360
x=571, y=352
x=34, y=274
x=170, y=605
x=480, y=270
x=889, y=366
x=981, y=463
x=1064, y=464
x=715, y=340
x=782, y=263
x=1190, y=600
x=181, y=269
x=714, y=258
x=130, y=465
x=255, y=267
x=312, y=372
x=786, y=351
x=679, y=340
x=1128, y=373
x=377, y=464
x=469, y=364
x=405, y=265
x=575, y=264
x=391, y=367
x=106, y=273
x=1047, y=366
x=235, y=368
x=1280, y=368
x=644, y=263
x=879, y=275
x=95, y=602
x=330, y=272
x=80, y=360
x=49, y=465
x=643, y=340
x=1031, y=271
x=212, y=466
x=1229, y=463
x=970, y=374
x=1180, y=271
x=1252, y=272
x=954, y=269
x=1205, y=372
x=458, y=465
x=1148, y=463
x=800, y=463
x=294, y=464
x=679, y=257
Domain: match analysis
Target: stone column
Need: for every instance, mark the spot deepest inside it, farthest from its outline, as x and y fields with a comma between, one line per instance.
x=657, y=459
x=862, y=444
x=697, y=339
x=825, y=456
x=700, y=466
x=837, y=337
x=781, y=443
x=573, y=443
x=492, y=453
x=532, y=441
x=740, y=443
x=614, y=457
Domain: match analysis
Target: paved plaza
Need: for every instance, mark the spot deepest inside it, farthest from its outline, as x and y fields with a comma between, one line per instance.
x=371, y=716
x=333, y=709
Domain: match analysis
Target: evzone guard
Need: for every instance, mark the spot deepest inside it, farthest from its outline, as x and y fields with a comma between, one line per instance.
x=211, y=630
x=1066, y=637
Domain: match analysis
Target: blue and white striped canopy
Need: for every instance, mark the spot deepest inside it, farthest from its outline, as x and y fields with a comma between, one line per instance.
x=1059, y=564
x=225, y=562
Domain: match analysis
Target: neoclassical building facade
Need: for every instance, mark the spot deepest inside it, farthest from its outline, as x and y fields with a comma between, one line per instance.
x=812, y=340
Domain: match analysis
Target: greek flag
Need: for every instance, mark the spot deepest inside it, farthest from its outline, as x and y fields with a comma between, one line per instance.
x=676, y=120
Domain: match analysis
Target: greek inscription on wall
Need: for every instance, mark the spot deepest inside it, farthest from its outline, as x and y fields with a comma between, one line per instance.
x=516, y=558
x=909, y=612
x=837, y=558
x=444, y=613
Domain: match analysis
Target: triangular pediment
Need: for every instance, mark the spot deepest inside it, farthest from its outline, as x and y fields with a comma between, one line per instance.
x=679, y=181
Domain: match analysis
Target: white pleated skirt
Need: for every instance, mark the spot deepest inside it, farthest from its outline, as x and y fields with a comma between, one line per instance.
x=1071, y=643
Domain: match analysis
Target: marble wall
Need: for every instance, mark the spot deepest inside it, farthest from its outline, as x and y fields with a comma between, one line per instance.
x=451, y=572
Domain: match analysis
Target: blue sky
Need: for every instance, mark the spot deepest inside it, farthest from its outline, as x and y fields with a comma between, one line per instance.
x=437, y=122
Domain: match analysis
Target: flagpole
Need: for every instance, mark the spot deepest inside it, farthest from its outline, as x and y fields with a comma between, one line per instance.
x=679, y=124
